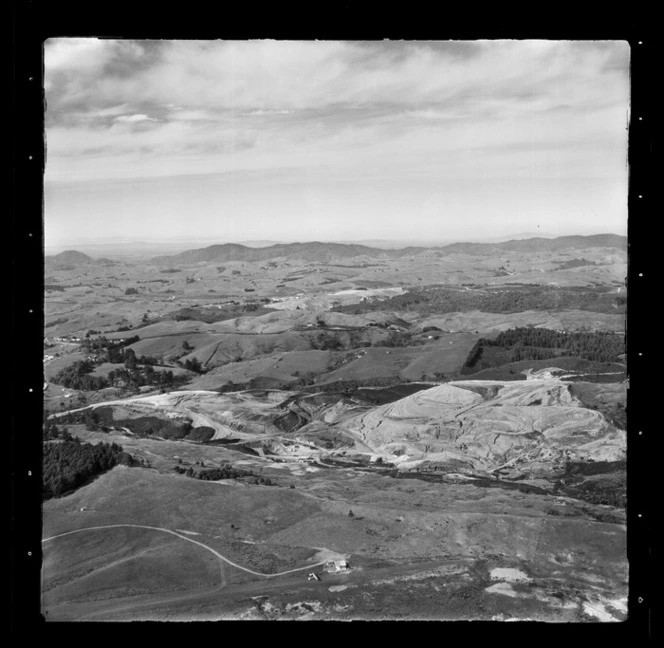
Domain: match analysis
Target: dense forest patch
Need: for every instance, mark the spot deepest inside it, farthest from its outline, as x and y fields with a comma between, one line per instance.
x=68, y=463
x=529, y=343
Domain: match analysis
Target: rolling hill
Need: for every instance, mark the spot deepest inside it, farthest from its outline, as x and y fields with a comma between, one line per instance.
x=71, y=258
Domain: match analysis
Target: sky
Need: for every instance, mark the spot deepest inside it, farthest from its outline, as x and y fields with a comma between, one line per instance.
x=228, y=141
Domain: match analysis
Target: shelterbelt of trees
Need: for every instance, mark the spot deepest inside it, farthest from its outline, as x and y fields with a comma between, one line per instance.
x=224, y=472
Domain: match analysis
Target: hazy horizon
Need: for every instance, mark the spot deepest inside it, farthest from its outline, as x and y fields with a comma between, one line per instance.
x=130, y=247
x=231, y=141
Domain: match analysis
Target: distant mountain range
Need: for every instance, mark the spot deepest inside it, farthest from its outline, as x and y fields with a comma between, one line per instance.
x=314, y=251
x=539, y=244
x=317, y=251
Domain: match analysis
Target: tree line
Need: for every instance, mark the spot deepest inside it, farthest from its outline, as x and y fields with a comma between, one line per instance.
x=224, y=472
x=107, y=350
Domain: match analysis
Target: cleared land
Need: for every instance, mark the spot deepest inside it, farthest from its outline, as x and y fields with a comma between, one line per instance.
x=333, y=407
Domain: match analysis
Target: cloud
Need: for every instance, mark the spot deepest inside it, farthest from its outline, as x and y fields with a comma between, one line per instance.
x=269, y=76
x=132, y=119
x=79, y=55
x=261, y=113
x=150, y=108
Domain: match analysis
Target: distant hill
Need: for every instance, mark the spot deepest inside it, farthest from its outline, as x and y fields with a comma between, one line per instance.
x=566, y=243
x=317, y=251
x=540, y=244
x=71, y=258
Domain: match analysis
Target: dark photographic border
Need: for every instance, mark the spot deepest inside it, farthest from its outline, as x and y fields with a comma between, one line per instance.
x=34, y=22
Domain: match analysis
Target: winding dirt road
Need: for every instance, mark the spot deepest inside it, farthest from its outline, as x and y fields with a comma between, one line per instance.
x=184, y=537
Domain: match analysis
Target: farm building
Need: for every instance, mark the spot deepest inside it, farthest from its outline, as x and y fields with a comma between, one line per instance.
x=336, y=566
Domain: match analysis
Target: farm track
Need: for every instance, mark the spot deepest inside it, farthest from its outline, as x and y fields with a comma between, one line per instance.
x=184, y=537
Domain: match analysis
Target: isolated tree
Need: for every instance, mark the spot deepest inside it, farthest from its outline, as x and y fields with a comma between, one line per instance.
x=350, y=513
